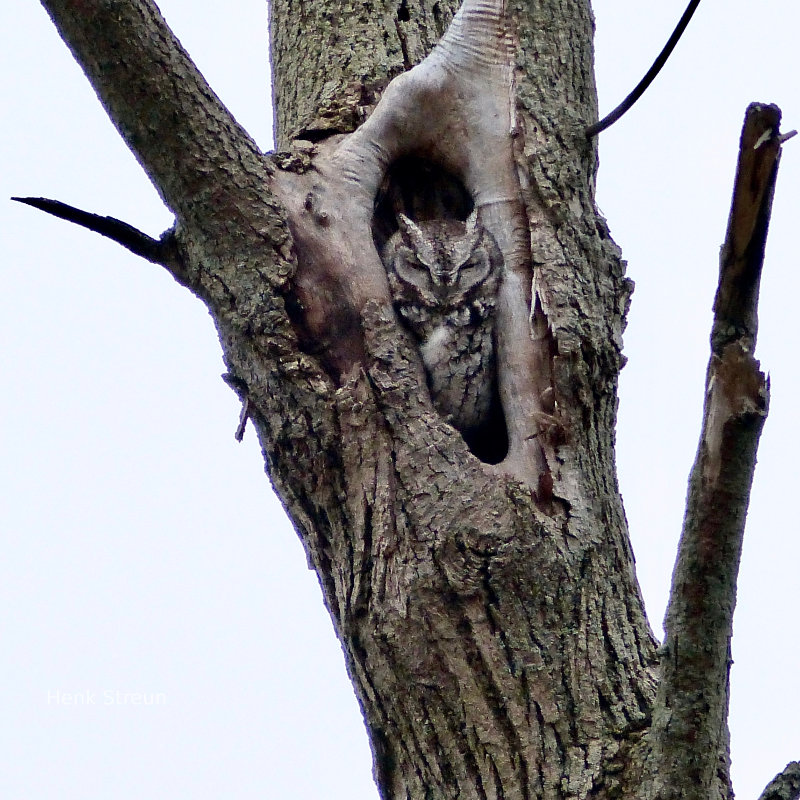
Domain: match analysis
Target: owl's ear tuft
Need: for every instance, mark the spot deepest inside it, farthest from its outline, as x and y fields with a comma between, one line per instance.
x=408, y=226
x=472, y=222
x=416, y=239
x=472, y=233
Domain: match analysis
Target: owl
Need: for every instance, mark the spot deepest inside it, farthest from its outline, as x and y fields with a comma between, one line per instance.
x=444, y=276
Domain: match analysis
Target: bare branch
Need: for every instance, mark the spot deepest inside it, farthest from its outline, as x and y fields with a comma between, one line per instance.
x=736, y=303
x=649, y=77
x=785, y=785
x=178, y=129
x=206, y=168
x=160, y=251
x=243, y=417
x=690, y=726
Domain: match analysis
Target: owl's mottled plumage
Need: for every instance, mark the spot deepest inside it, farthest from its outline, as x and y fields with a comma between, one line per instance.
x=444, y=276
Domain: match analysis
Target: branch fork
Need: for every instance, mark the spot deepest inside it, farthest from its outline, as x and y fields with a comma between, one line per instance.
x=454, y=109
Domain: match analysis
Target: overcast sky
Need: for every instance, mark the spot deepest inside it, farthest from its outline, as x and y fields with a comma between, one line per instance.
x=143, y=550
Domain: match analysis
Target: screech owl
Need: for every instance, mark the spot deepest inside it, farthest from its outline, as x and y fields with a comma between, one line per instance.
x=444, y=276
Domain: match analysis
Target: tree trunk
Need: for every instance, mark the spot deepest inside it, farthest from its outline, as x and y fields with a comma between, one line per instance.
x=488, y=607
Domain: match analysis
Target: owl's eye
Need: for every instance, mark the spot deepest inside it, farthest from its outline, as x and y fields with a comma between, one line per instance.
x=410, y=258
x=411, y=269
x=474, y=271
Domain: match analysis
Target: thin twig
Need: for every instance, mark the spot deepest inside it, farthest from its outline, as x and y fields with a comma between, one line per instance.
x=159, y=251
x=243, y=417
x=641, y=87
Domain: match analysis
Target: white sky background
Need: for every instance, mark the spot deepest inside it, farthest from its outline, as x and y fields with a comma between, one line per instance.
x=142, y=548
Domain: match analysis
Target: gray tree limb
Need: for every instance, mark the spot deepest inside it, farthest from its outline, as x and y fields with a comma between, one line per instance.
x=160, y=251
x=690, y=716
x=206, y=168
x=178, y=129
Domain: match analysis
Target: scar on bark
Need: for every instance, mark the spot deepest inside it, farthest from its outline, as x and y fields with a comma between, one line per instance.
x=691, y=708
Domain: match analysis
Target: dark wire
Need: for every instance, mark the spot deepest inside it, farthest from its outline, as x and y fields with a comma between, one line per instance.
x=641, y=87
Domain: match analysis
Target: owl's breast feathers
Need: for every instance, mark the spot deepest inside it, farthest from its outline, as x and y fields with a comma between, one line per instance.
x=444, y=277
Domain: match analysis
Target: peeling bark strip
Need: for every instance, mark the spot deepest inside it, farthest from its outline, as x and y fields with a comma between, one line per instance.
x=690, y=733
x=489, y=614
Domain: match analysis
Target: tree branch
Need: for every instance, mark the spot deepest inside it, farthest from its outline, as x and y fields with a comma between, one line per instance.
x=178, y=129
x=785, y=785
x=742, y=255
x=691, y=710
x=649, y=77
x=206, y=168
x=160, y=251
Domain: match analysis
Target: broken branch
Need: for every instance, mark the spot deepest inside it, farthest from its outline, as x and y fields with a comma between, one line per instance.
x=689, y=723
x=649, y=77
x=159, y=251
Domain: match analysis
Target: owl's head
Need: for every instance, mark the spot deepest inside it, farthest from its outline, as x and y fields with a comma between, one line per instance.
x=444, y=260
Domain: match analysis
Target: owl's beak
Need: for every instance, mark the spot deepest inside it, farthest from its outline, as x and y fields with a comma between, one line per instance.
x=445, y=278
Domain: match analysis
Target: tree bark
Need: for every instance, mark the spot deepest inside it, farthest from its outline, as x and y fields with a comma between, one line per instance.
x=489, y=614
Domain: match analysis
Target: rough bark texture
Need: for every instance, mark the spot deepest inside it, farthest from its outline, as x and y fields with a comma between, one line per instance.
x=332, y=61
x=500, y=650
x=489, y=613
